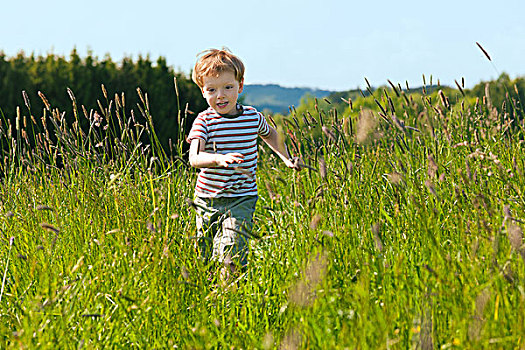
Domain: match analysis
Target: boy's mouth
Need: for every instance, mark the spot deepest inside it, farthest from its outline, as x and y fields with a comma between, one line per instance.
x=222, y=104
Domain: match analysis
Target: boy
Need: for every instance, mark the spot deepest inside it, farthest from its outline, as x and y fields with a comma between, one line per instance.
x=223, y=144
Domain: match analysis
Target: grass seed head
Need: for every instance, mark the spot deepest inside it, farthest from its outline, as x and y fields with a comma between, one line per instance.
x=432, y=167
x=506, y=211
x=44, y=99
x=376, y=227
x=430, y=186
x=322, y=167
x=460, y=88
x=469, y=172
x=71, y=95
x=151, y=227
x=395, y=178
x=271, y=191
x=328, y=133
x=365, y=126
x=104, y=91
x=49, y=227
x=316, y=219
x=476, y=325
x=191, y=203
x=44, y=207
x=515, y=234
x=302, y=294
x=484, y=51
x=444, y=100
x=26, y=99
x=486, y=99
x=328, y=233
x=185, y=273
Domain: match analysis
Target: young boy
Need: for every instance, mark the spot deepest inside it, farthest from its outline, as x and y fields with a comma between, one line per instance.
x=223, y=144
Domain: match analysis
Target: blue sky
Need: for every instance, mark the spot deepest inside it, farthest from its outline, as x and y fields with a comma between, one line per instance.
x=320, y=44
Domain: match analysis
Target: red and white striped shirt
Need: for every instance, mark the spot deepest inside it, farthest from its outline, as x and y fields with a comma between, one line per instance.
x=229, y=134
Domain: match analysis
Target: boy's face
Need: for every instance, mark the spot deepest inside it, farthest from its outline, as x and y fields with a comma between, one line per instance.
x=221, y=92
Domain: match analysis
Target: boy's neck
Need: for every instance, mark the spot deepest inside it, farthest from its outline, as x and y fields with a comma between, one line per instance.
x=238, y=112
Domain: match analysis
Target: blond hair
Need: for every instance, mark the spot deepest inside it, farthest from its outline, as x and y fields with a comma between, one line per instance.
x=212, y=62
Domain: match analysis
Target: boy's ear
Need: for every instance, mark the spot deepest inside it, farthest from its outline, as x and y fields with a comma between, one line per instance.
x=241, y=85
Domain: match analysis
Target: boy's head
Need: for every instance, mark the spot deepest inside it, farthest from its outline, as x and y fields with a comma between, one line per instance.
x=213, y=62
x=220, y=75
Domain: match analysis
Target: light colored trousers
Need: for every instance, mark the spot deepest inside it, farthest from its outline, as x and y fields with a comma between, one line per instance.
x=225, y=224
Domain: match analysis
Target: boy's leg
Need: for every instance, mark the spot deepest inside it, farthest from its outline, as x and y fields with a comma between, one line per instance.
x=207, y=220
x=231, y=245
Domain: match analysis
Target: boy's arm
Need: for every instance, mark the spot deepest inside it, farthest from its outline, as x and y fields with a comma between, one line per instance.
x=272, y=140
x=201, y=159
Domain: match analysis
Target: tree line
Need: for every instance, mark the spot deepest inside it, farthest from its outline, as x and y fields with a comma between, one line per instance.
x=53, y=75
x=84, y=76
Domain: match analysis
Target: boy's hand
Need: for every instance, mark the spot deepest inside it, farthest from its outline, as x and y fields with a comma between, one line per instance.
x=223, y=160
x=294, y=163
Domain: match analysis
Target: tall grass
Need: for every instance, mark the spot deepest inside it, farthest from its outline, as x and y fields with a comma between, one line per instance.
x=404, y=230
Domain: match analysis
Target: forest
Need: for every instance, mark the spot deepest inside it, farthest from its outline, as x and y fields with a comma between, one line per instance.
x=53, y=75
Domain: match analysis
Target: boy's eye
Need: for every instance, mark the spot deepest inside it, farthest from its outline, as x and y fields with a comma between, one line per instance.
x=211, y=90
x=229, y=87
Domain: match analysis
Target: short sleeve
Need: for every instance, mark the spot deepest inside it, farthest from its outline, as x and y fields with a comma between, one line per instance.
x=199, y=129
x=264, y=128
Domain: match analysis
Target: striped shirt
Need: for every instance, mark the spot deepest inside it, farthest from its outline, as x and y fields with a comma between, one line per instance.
x=229, y=134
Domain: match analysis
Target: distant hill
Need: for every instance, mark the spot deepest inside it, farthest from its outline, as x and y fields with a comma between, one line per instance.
x=276, y=98
x=356, y=93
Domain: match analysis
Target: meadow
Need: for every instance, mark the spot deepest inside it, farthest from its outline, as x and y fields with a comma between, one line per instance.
x=403, y=231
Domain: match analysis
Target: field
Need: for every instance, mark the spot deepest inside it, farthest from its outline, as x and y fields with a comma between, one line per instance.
x=404, y=231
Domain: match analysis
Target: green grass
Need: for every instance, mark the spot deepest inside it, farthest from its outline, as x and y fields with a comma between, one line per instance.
x=409, y=239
